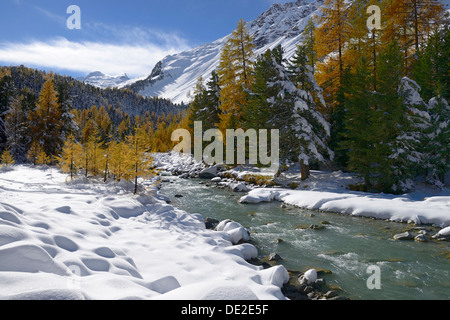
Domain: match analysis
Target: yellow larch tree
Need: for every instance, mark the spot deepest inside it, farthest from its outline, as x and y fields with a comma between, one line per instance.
x=70, y=158
x=410, y=23
x=331, y=40
x=235, y=73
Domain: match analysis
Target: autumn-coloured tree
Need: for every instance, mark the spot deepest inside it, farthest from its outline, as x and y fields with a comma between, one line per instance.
x=70, y=159
x=6, y=158
x=119, y=152
x=139, y=162
x=46, y=121
x=410, y=23
x=235, y=76
x=333, y=32
x=37, y=155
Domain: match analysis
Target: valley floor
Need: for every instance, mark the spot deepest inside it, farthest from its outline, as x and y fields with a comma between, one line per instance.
x=84, y=239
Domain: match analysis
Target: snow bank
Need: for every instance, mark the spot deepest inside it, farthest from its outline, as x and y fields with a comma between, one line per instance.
x=84, y=240
x=430, y=210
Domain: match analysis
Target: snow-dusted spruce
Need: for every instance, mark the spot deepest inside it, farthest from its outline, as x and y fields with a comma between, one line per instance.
x=407, y=152
x=438, y=136
x=286, y=98
x=16, y=129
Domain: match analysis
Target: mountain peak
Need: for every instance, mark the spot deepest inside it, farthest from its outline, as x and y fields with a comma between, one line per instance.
x=95, y=74
x=176, y=75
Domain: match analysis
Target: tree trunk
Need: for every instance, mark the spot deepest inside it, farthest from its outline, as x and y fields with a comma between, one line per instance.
x=136, y=179
x=304, y=170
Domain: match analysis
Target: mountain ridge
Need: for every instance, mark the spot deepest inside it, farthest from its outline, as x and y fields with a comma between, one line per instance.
x=175, y=76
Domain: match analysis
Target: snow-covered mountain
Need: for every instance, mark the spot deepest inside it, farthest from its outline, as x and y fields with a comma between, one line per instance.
x=176, y=75
x=101, y=80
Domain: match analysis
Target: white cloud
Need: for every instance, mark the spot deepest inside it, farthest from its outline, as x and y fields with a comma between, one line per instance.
x=135, y=59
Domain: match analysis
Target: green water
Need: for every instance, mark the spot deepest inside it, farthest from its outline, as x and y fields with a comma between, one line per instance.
x=347, y=246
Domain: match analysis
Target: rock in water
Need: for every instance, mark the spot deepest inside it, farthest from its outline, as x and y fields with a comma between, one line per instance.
x=421, y=238
x=210, y=173
x=404, y=236
x=274, y=257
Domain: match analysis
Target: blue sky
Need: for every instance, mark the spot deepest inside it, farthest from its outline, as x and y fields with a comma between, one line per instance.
x=126, y=36
x=116, y=36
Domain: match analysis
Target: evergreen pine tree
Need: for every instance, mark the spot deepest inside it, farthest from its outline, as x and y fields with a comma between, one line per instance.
x=358, y=137
x=431, y=70
x=438, y=147
x=65, y=100
x=16, y=128
x=309, y=41
x=282, y=105
x=401, y=121
x=6, y=95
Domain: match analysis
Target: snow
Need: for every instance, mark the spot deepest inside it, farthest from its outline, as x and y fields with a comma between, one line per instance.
x=328, y=191
x=235, y=230
x=444, y=232
x=311, y=276
x=90, y=240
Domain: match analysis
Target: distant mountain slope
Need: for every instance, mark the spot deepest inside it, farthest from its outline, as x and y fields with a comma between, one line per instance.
x=101, y=80
x=85, y=96
x=176, y=75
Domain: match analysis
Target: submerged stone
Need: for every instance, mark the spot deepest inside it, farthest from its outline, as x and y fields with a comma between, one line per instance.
x=404, y=236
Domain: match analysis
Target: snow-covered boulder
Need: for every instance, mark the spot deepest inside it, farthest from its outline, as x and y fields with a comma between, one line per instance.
x=277, y=275
x=235, y=231
x=310, y=276
x=443, y=234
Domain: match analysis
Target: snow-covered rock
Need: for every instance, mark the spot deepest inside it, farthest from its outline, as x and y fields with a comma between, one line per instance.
x=310, y=276
x=443, y=234
x=235, y=231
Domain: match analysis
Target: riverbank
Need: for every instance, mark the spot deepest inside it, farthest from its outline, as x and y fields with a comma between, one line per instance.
x=325, y=191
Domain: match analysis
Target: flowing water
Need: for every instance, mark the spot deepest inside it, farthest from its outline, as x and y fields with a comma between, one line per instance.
x=347, y=246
